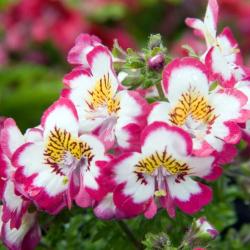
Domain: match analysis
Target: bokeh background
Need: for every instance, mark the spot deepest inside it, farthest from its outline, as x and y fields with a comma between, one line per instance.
x=35, y=36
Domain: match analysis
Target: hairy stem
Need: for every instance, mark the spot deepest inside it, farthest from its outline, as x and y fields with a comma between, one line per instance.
x=130, y=234
x=160, y=90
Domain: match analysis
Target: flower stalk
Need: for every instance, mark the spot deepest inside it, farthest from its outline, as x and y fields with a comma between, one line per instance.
x=130, y=235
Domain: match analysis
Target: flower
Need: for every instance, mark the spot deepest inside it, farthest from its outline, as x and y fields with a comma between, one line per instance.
x=116, y=117
x=244, y=86
x=15, y=205
x=206, y=28
x=19, y=228
x=62, y=167
x=246, y=132
x=225, y=60
x=161, y=173
x=26, y=237
x=237, y=13
x=204, y=114
x=223, y=55
x=84, y=43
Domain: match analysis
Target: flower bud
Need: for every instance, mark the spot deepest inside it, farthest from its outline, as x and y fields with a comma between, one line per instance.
x=200, y=234
x=205, y=230
x=154, y=41
x=156, y=62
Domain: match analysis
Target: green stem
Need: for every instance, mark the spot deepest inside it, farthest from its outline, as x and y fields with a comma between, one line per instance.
x=160, y=90
x=130, y=235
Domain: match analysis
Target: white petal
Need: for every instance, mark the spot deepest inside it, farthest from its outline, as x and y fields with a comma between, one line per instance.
x=183, y=190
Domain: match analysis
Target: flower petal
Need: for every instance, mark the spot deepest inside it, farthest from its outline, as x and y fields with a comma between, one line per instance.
x=182, y=74
x=200, y=166
x=208, y=27
x=63, y=115
x=228, y=43
x=38, y=181
x=27, y=236
x=106, y=208
x=131, y=119
x=159, y=112
x=100, y=62
x=228, y=105
x=244, y=87
x=33, y=134
x=126, y=203
x=11, y=137
x=219, y=68
x=132, y=194
x=190, y=196
x=196, y=24
x=160, y=136
x=151, y=210
x=78, y=78
x=211, y=17
x=83, y=45
x=227, y=155
x=14, y=205
x=4, y=171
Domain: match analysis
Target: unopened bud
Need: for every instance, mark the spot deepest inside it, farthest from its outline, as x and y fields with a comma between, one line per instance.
x=154, y=41
x=200, y=234
x=156, y=62
x=205, y=230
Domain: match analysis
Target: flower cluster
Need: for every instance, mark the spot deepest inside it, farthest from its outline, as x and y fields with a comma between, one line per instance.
x=104, y=146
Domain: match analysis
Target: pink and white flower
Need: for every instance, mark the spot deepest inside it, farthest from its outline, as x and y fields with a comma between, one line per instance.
x=244, y=87
x=26, y=237
x=84, y=43
x=225, y=61
x=210, y=117
x=106, y=209
x=208, y=27
x=62, y=167
x=117, y=117
x=223, y=55
x=15, y=204
x=161, y=173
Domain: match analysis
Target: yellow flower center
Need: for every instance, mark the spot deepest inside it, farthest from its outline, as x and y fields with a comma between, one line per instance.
x=60, y=142
x=193, y=104
x=149, y=164
x=102, y=95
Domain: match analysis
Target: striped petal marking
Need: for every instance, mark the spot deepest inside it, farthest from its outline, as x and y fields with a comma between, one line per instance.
x=161, y=165
x=194, y=113
x=62, y=150
x=102, y=96
x=192, y=104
